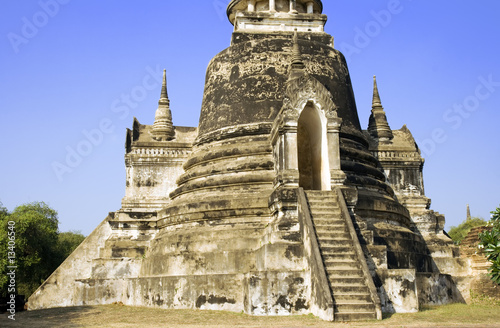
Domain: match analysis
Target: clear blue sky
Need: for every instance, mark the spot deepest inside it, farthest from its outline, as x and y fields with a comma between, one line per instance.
x=67, y=70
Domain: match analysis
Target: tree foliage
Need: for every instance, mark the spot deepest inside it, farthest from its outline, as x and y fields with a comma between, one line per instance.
x=67, y=242
x=490, y=241
x=457, y=234
x=39, y=247
x=3, y=212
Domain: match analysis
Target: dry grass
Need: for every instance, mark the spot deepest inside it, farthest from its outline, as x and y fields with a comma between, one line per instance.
x=456, y=315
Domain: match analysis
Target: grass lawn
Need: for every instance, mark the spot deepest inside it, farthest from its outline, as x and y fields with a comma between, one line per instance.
x=455, y=315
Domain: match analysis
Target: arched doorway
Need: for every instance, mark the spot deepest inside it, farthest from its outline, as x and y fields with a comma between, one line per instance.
x=312, y=150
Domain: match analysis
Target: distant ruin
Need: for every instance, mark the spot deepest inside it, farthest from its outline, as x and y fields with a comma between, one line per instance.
x=278, y=203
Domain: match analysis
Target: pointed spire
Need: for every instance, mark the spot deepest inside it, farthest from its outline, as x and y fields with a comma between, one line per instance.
x=469, y=217
x=163, y=128
x=376, y=95
x=378, y=127
x=297, y=67
x=164, y=93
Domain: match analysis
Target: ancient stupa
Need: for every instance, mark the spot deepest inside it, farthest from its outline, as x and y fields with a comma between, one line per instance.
x=278, y=203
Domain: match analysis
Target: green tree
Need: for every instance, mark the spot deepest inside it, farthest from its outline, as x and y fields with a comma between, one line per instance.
x=67, y=242
x=490, y=242
x=39, y=247
x=36, y=228
x=3, y=211
x=457, y=234
x=4, y=214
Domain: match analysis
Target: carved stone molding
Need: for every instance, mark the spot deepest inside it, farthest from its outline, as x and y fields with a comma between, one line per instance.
x=304, y=89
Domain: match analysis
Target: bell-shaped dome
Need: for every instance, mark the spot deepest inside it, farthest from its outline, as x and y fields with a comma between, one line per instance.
x=245, y=84
x=255, y=91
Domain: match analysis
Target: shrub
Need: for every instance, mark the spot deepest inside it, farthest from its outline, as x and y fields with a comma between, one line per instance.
x=457, y=234
x=490, y=241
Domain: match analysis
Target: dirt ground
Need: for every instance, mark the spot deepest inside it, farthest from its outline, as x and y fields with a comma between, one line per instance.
x=456, y=315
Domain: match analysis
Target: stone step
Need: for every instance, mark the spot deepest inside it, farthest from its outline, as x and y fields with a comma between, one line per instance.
x=328, y=220
x=319, y=193
x=337, y=250
x=322, y=199
x=347, y=263
x=331, y=234
x=314, y=195
x=362, y=296
x=323, y=230
x=349, y=289
x=327, y=198
x=347, y=273
x=355, y=316
x=351, y=257
x=354, y=306
x=481, y=266
x=323, y=235
x=331, y=215
x=318, y=203
x=333, y=230
x=338, y=225
x=343, y=283
x=326, y=210
x=321, y=207
x=335, y=242
x=326, y=227
x=327, y=216
x=323, y=203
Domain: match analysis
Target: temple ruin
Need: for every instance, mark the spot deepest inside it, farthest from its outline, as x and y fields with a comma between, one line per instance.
x=278, y=203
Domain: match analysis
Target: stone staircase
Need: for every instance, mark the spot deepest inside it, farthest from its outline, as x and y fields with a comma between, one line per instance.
x=469, y=249
x=350, y=291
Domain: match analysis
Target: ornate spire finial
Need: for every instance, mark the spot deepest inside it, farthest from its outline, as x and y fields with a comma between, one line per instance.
x=378, y=127
x=376, y=95
x=164, y=93
x=469, y=217
x=163, y=128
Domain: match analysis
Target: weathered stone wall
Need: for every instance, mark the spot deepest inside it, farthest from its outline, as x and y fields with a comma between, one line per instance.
x=63, y=287
x=438, y=289
x=397, y=289
x=153, y=167
x=245, y=83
